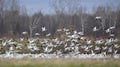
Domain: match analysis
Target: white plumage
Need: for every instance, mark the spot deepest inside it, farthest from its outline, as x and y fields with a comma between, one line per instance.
x=95, y=29
x=98, y=17
x=24, y=33
x=37, y=34
x=44, y=29
x=48, y=35
x=108, y=30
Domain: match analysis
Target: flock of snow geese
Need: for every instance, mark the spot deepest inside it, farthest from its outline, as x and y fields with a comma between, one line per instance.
x=74, y=45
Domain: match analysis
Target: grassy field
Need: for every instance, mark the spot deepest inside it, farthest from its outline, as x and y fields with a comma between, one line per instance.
x=54, y=62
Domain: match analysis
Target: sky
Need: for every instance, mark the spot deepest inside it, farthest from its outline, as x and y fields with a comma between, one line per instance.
x=33, y=6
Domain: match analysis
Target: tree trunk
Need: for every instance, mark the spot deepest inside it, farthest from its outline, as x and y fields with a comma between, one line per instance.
x=31, y=32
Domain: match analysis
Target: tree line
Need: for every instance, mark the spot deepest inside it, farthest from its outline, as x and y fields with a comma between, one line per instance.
x=14, y=19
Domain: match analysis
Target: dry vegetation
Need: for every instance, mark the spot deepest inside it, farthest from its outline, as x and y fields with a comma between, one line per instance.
x=55, y=62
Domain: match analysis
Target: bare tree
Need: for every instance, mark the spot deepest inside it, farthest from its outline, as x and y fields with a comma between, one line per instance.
x=33, y=24
x=66, y=6
x=65, y=11
x=1, y=16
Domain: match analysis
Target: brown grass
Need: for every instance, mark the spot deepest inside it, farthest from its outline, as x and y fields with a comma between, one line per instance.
x=60, y=62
